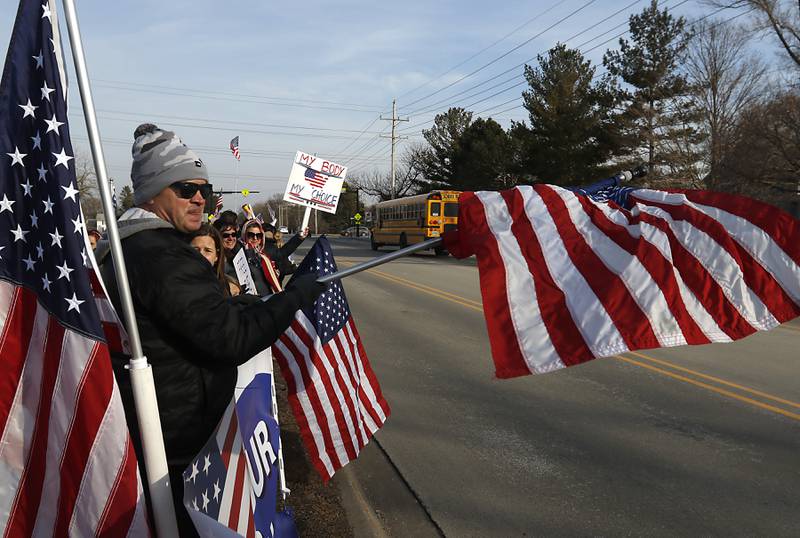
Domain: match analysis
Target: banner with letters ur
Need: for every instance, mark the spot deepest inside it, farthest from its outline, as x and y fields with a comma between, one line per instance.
x=315, y=182
x=231, y=487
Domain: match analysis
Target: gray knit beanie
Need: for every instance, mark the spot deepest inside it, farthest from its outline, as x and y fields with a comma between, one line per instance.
x=159, y=160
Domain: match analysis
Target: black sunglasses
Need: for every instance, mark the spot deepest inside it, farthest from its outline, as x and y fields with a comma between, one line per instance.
x=227, y=235
x=251, y=235
x=187, y=190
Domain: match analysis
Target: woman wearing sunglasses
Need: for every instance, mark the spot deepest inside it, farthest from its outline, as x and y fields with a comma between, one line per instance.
x=262, y=267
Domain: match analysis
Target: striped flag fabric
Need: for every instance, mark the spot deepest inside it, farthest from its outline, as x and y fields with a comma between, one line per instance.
x=218, y=205
x=216, y=484
x=333, y=391
x=234, y=145
x=566, y=278
x=67, y=463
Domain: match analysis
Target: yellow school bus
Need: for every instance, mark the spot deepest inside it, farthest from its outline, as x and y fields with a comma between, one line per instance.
x=413, y=219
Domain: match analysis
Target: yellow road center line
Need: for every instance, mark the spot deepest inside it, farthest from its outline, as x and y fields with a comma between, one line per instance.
x=476, y=306
x=463, y=301
x=715, y=379
x=712, y=388
x=411, y=283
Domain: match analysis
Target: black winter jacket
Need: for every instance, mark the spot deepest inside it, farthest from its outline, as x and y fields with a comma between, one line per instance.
x=192, y=334
x=280, y=255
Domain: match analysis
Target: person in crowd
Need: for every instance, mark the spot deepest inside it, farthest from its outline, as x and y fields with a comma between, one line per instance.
x=227, y=226
x=265, y=271
x=94, y=237
x=208, y=243
x=192, y=334
x=281, y=254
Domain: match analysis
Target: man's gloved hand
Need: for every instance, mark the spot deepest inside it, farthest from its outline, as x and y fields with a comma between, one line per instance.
x=306, y=288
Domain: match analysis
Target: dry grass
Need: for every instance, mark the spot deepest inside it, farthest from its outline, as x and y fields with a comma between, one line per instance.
x=317, y=507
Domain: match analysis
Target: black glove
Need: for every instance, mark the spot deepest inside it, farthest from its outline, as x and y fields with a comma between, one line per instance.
x=306, y=289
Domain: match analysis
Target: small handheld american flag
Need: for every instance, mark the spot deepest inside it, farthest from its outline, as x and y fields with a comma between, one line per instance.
x=332, y=389
x=218, y=206
x=235, y=147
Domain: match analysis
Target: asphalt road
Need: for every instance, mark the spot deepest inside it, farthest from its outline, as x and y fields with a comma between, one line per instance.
x=688, y=441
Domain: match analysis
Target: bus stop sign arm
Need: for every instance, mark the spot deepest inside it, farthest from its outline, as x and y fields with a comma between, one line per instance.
x=430, y=243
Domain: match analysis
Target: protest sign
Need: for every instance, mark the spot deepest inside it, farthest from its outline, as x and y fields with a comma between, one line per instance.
x=243, y=273
x=315, y=182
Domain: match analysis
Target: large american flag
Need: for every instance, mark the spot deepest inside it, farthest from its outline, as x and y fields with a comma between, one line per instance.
x=332, y=389
x=67, y=464
x=566, y=278
x=234, y=145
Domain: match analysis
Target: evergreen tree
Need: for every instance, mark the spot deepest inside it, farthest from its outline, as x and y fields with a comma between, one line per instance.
x=482, y=159
x=573, y=129
x=436, y=162
x=126, y=198
x=660, y=121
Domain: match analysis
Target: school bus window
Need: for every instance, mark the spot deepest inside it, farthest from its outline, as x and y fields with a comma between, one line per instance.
x=450, y=209
x=436, y=209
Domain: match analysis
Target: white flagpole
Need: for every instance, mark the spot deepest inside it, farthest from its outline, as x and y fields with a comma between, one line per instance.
x=281, y=472
x=141, y=372
x=236, y=178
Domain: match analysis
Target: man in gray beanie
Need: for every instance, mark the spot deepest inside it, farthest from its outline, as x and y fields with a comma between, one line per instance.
x=192, y=333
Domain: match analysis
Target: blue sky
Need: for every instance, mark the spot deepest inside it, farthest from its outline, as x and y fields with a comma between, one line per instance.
x=311, y=76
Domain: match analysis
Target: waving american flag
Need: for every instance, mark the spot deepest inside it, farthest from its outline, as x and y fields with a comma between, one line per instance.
x=234, y=145
x=332, y=389
x=566, y=278
x=67, y=464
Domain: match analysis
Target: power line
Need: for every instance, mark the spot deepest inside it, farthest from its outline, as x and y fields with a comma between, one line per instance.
x=484, y=66
x=524, y=63
x=228, y=122
x=684, y=40
x=184, y=95
x=448, y=99
x=227, y=130
x=353, y=141
x=285, y=155
x=515, y=30
x=231, y=94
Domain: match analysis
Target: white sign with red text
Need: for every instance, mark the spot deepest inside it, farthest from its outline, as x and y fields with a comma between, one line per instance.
x=315, y=182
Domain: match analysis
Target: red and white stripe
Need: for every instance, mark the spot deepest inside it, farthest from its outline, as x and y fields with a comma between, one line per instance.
x=237, y=502
x=565, y=279
x=113, y=328
x=333, y=392
x=67, y=464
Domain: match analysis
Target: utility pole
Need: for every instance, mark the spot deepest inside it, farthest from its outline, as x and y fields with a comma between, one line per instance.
x=395, y=120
